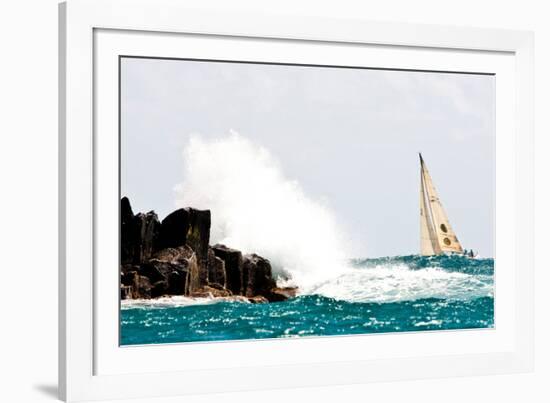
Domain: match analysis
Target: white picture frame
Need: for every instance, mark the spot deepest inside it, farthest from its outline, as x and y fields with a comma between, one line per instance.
x=92, y=366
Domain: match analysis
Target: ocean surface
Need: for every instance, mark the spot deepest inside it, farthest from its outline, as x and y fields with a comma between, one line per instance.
x=393, y=294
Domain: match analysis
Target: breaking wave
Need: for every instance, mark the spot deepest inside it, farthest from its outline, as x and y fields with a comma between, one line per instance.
x=400, y=283
x=257, y=209
x=410, y=278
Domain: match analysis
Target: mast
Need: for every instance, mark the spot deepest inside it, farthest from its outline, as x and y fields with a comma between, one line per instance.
x=436, y=233
x=427, y=237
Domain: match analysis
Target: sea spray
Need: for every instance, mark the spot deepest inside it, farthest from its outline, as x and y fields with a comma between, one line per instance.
x=256, y=208
x=397, y=282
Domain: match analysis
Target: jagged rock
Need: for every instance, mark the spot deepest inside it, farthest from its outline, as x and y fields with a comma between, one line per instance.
x=198, y=235
x=177, y=281
x=281, y=294
x=159, y=289
x=139, y=234
x=151, y=270
x=195, y=276
x=141, y=287
x=126, y=212
x=167, y=271
x=218, y=287
x=128, y=232
x=257, y=278
x=171, y=265
x=173, y=275
x=216, y=270
x=210, y=292
x=127, y=273
x=125, y=291
x=149, y=227
x=233, y=260
x=174, y=228
x=174, y=258
x=174, y=255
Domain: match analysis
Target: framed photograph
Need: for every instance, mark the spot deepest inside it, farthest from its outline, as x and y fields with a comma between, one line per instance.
x=309, y=201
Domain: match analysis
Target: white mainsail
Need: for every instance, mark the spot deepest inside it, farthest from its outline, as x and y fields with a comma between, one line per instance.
x=436, y=234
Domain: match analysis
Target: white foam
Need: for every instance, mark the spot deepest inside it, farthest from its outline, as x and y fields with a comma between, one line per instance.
x=257, y=209
x=394, y=283
x=176, y=301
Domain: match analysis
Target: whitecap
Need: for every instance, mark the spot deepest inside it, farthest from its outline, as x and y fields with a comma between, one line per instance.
x=396, y=283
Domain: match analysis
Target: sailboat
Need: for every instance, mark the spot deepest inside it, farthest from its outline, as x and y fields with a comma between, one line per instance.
x=436, y=234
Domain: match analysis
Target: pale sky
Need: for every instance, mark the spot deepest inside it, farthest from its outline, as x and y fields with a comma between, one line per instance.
x=349, y=137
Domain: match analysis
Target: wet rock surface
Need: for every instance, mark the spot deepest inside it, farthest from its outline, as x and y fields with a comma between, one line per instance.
x=173, y=257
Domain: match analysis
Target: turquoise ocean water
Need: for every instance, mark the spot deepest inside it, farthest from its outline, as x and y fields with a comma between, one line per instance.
x=394, y=294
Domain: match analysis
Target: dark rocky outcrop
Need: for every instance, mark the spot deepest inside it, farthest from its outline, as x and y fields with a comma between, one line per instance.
x=209, y=292
x=216, y=269
x=233, y=260
x=149, y=227
x=196, y=277
x=281, y=294
x=176, y=255
x=167, y=271
x=257, y=278
x=128, y=232
x=139, y=234
x=159, y=289
x=125, y=291
x=198, y=234
x=173, y=231
x=174, y=258
x=172, y=275
x=127, y=273
x=140, y=286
